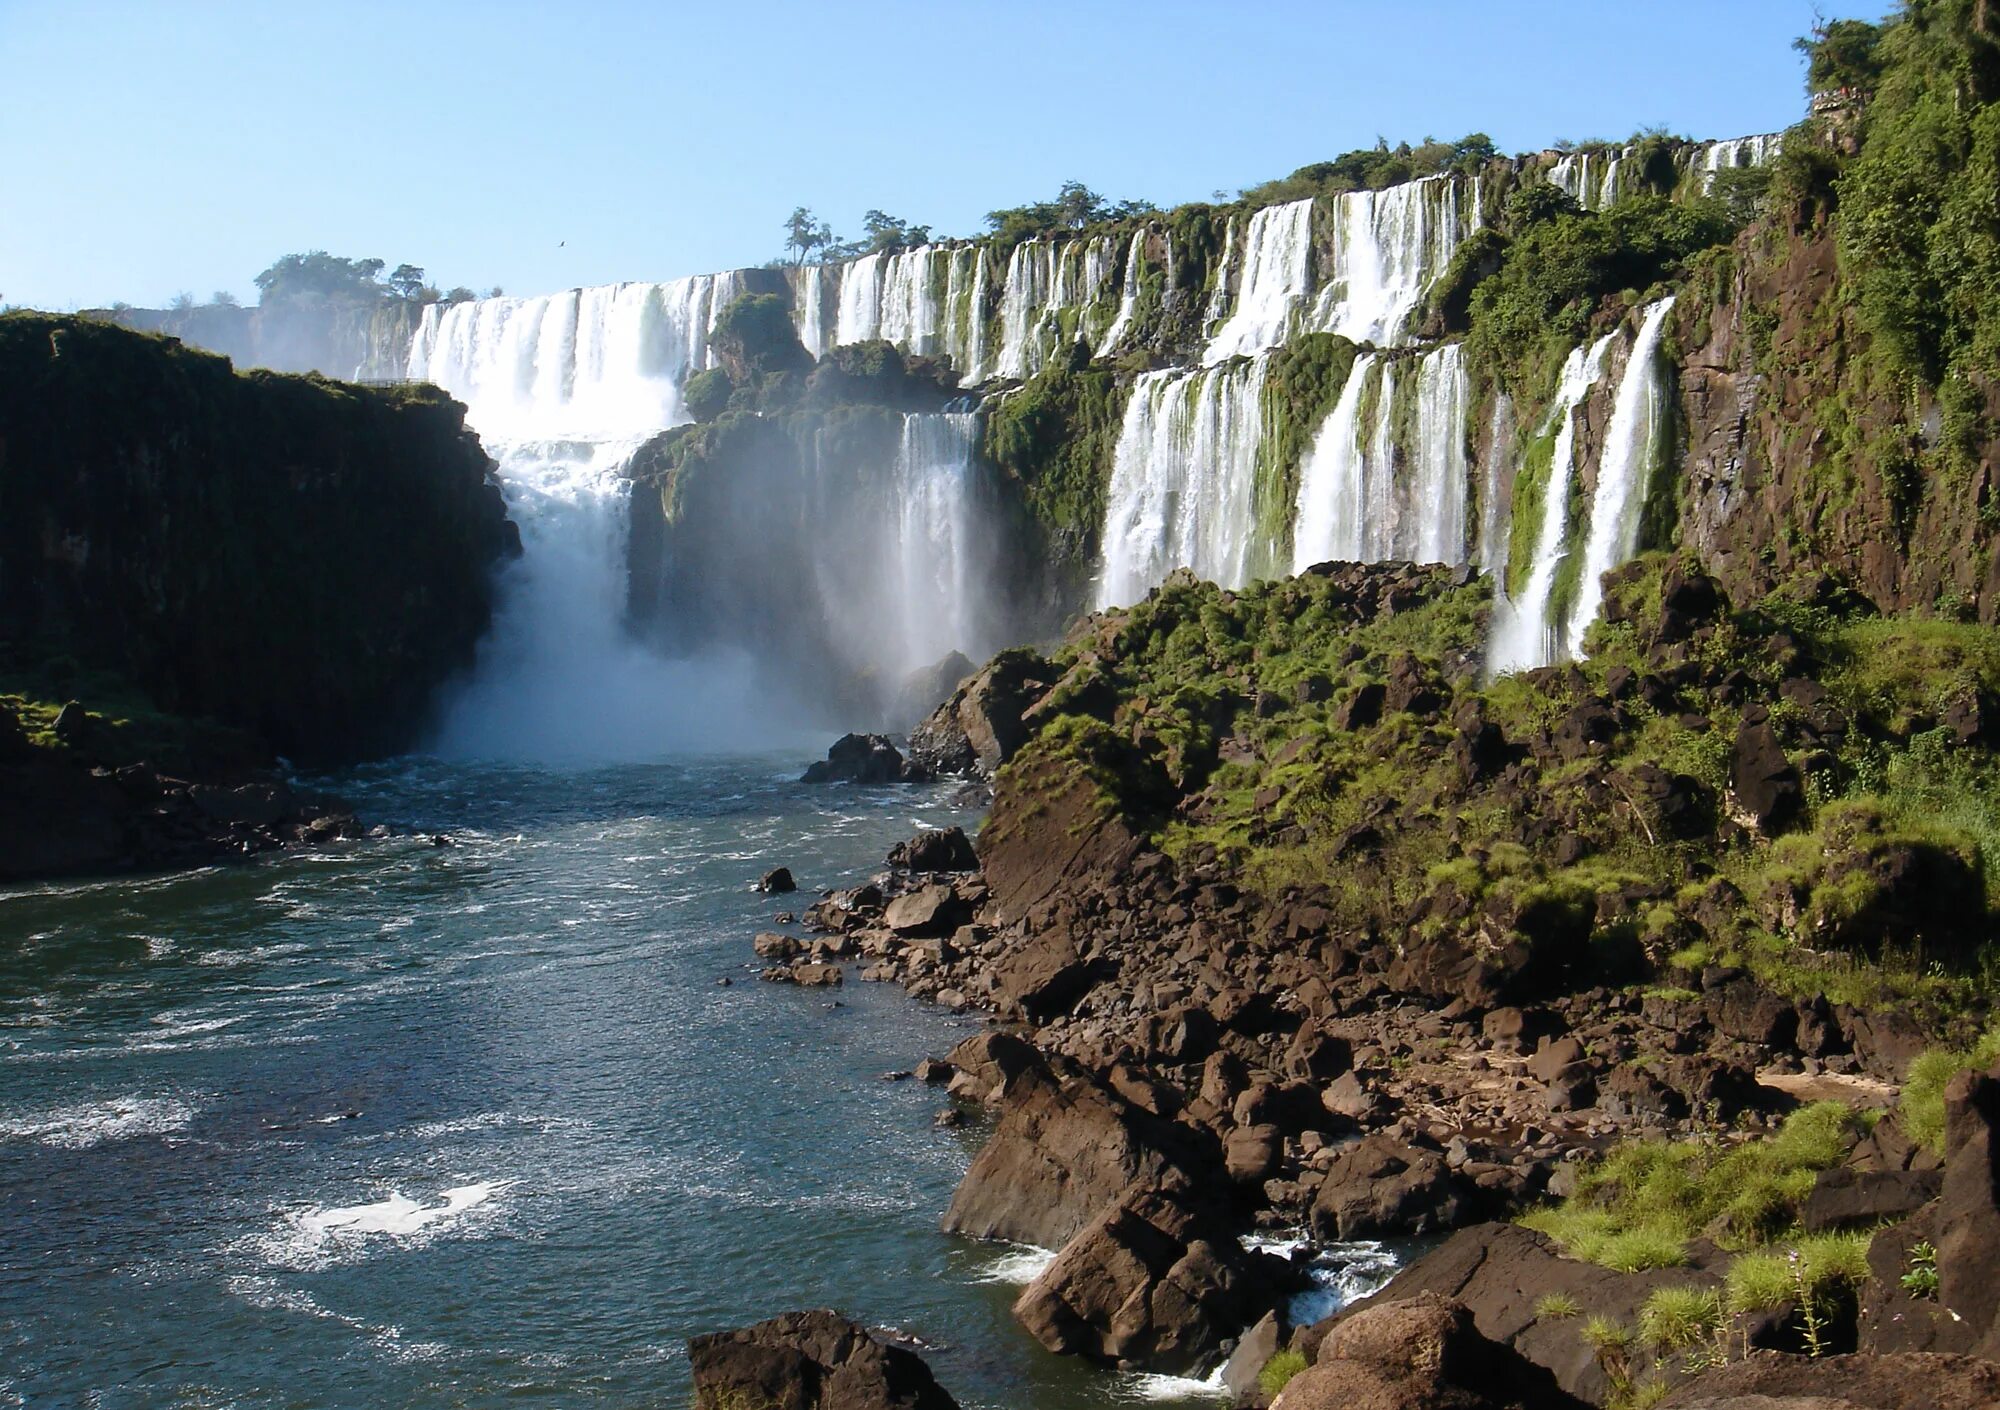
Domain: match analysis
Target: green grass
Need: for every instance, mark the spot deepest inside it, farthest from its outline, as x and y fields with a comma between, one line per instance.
x=1675, y=1319
x=1279, y=1370
x=1922, y=1103
x=1606, y=1334
x=1557, y=1307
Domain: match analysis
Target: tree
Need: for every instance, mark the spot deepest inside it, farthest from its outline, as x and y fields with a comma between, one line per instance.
x=182, y=301
x=805, y=233
x=882, y=232
x=1842, y=54
x=460, y=295
x=222, y=298
x=406, y=281
x=317, y=276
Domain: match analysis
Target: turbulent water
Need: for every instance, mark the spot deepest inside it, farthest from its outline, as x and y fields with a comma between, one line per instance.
x=474, y=1126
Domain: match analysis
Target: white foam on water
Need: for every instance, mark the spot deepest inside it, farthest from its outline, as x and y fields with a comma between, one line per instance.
x=1020, y=1265
x=1344, y=1272
x=87, y=1124
x=1152, y=1386
x=330, y=1234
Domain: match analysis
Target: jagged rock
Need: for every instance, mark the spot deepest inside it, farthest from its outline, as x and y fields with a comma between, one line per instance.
x=1047, y=831
x=924, y=690
x=863, y=758
x=1418, y=1353
x=809, y=1361
x=777, y=881
x=1251, y=1154
x=1361, y=709
x=988, y=1065
x=980, y=727
x=1246, y=1363
x=934, y=911
x=1766, y=786
x=770, y=945
x=1962, y=1226
x=1910, y=1381
x=1383, y=1186
x=1043, y=978
x=1501, y=1273
x=946, y=849
x=1152, y=1281
x=1848, y=1198
x=1061, y=1152
x=1688, y=599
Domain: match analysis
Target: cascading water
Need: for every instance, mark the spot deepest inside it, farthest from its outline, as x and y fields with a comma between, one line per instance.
x=1184, y=479
x=1590, y=177
x=811, y=299
x=1631, y=448
x=1277, y=273
x=1128, y=297
x=563, y=389
x=1523, y=634
x=1394, y=488
x=1738, y=152
x=1391, y=245
x=942, y=551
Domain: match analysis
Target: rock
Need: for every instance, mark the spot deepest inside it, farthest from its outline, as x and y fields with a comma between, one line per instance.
x=1553, y=1058
x=1251, y=1154
x=1048, y=830
x=933, y=911
x=1418, y=1353
x=1847, y=1198
x=1963, y=1228
x=778, y=879
x=1766, y=786
x=934, y=1073
x=1688, y=598
x=1501, y=1272
x=1361, y=709
x=1351, y=1098
x=989, y=1065
x=1382, y=1186
x=1910, y=1381
x=770, y=945
x=809, y=1361
x=981, y=726
x=1246, y=1363
x=941, y=850
x=1152, y=1281
x=863, y=758
x=925, y=689
x=1043, y=978
x=1060, y=1153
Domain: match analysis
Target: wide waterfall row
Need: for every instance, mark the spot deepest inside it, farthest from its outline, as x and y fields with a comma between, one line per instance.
x=1598, y=176
x=593, y=364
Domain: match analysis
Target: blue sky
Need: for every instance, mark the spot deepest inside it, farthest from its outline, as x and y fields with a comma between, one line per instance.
x=149, y=148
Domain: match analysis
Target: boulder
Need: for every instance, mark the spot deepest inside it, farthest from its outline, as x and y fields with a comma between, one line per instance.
x=1153, y=1281
x=1062, y=1151
x=1043, y=978
x=1844, y=1198
x=1766, y=786
x=945, y=849
x=981, y=726
x=770, y=945
x=809, y=1361
x=863, y=758
x=1246, y=1363
x=777, y=881
x=1418, y=1353
x=987, y=1066
x=923, y=690
x=930, y=912
x=1909, y=1381
x=1049, y=831
x=1380, y=1186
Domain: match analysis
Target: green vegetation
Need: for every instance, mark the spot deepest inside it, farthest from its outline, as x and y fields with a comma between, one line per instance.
x=1922, y=1102
x=1372, y=168
x=1074, y=207
x=317, y=277
x=1301, y=385
x=1920, y=1280
x=1053, y=440
x=1278, y=1372
x=1679, y=1319
x=1557, y=1307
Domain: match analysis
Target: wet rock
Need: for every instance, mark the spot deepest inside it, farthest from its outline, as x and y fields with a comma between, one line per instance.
x=1381, y=1185
x=981, y=726
x=946, y=849
x=810, y=1361
x=770, y=945
x=777, y=880
x=933, y=911
x=863, y=758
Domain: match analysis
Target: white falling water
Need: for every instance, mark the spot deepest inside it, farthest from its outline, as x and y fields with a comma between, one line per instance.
x=1184, y=479
x=1391, y=245
x=1328, y=522
x=1737, y=152
x=1383, y=490
x=1523, y=635
x=1128, y=296
x=1631, y=445
x=811, y=287
x=1492, y=503
x=1277, y=276
x=1046, y=280
x=941, y=564
x=1437, y=502
x=1590, y=177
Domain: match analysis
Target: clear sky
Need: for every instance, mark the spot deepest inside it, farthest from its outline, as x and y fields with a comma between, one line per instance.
x=156, y=146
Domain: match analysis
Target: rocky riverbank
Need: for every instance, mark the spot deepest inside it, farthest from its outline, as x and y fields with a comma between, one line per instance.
x=1287, y=919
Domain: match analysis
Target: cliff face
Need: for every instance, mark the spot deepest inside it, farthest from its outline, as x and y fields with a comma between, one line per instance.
x=298, y=558
x=1801, y=460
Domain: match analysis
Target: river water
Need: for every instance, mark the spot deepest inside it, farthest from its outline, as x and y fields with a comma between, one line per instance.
x=397, y=1125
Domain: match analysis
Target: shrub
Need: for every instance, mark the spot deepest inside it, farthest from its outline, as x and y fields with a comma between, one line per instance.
x=1279, y=1370
x=1922, y=1104
x=1674, y=1319
x=1556, y=1307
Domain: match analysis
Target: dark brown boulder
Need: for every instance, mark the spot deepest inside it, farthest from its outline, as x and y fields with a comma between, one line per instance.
x=943, y=849
x=1043, y=978
x=933, y=911
x=809, y=1361
x=1910, y=1381
x=981, y=726
x=1361, y=709
x=1844, y=1198
x=863, y=758
x=1418, y=1353
x=1061, y=1152
x=1766, y=786
x=988, y=1066
x=1153, y=1281
x=1379, y=1186
x=1049, y=830
x=777, y=881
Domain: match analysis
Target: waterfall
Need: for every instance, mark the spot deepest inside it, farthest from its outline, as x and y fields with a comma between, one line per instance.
x=972, y=366
x=1327, y=524
x=1277, y=273
x=1631, y=447
x=1128, y=296
x=1184, y=479
x=1492, y=505
x=1523, y=635
x=1397, y=487
x=1443, y=479
x=1390, y=245
x=1737, y=152
x=942, y=564
x=1590, y=177
x=811, y=296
